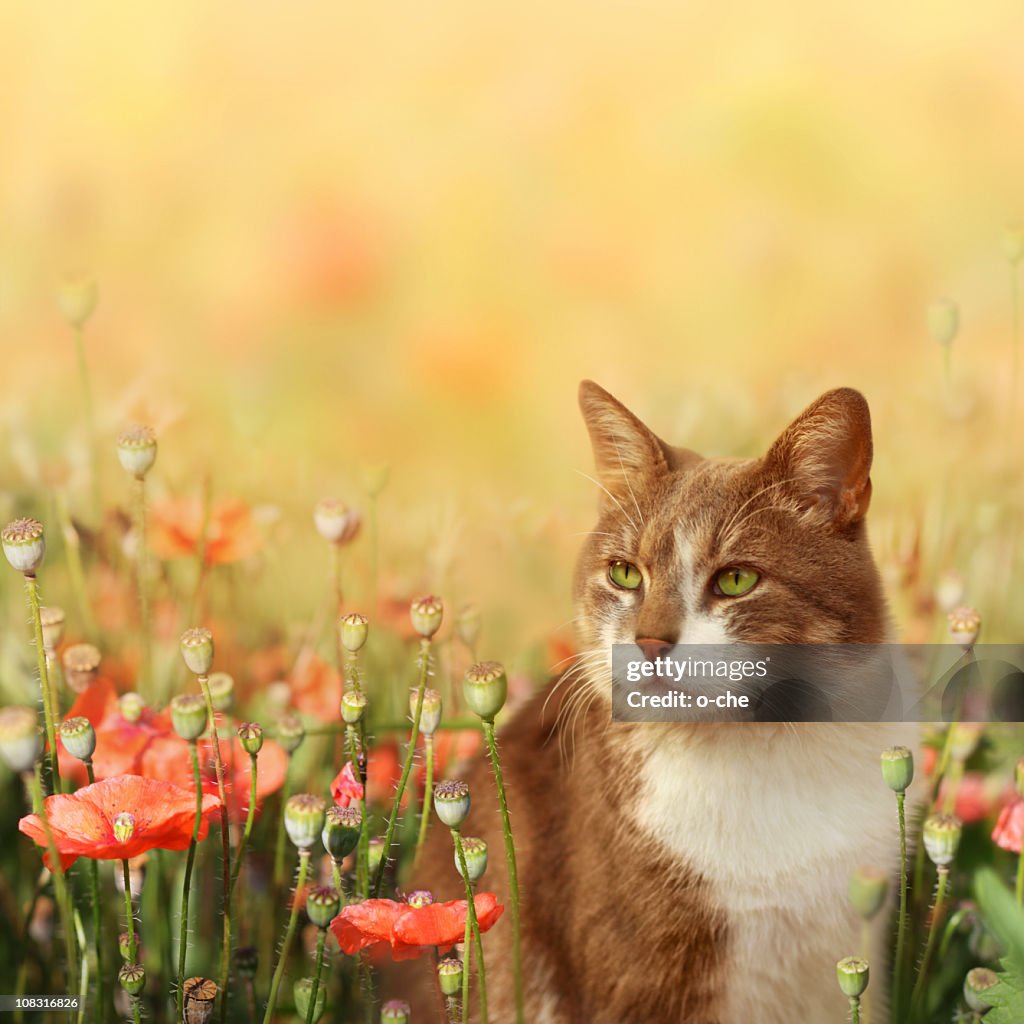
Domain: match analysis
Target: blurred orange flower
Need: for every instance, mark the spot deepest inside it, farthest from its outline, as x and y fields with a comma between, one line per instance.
x=316, y=687
x=1009, y=830
x=231, y=534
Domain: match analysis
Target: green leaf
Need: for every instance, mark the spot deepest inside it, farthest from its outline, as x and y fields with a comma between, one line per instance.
x=1007, y=998
x=1001, y=912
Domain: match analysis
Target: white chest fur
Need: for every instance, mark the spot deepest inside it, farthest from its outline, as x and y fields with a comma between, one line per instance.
x=774, y=821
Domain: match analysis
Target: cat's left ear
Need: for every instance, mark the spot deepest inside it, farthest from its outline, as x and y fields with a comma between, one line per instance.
x=824, y=457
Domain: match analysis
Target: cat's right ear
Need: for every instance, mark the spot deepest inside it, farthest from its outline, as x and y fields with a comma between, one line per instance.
x=624, y=448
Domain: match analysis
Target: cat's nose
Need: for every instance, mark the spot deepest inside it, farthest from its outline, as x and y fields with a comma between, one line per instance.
x=654, y=648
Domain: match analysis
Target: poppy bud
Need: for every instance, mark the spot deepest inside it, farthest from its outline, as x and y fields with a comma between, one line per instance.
x=132, y=978
x=353, y=704
x=1013, y=243
x=302, y=992
x=852, y=973
x=430, y=715
x=251, y=736
x=964, y=626
x=197, y=650
x=342, y=826
x=290, y=733
x=353, y=629
x=335, y=521
x=124, y=946
x=898, y=768
x=222, y=690
x=131, y=705
x=943, y=321
x=136, y=450
x=76, y=297
x=200, y=995
x=124, y=826
x=485, y=688
x=304, y=819
x=449, y=974
x=21, y=741
x=395, y=1011
x=467, y=624
x=375, y=853
x=24, y=544
x=247, y=961
x=322, y=905
x=188, y=716
x=977, y=988
x=52, y=620
x=78, y=737
x=420, y=898
x=81, y=664
x=426, y=614
x=867, y=890
x=451, y=802
x=942, y=838
x=475, y=852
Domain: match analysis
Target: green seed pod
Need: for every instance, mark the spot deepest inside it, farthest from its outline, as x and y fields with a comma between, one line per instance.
x=395, y=1011
x=353, y=630
x=375, y=853
x=222, y=691
x=943, y=321
x=942, y=838
x=430, y=716
x=898, y=768
x=485, y=689
x=124, y=826
x=78, y=737
x=136, y=450
x=964, y=626
x=21, y=741
x=977, y=988
x=420, y=898
x=188, y=715
x=304, y=819
x=200, y=996
x=290, y=733
x=451, y=802
x=426, y=614
x=52, y=620
x=81, y=666
x=132, y=978
x=124, y=946
x=197, y=650
x=251, y=736
x=467, y=625
x=247, y=961
x=475, y=852
x=131, y=705
x=335, y=521
x=867, y=890
x=342, y=826
x=77, y=295
x=353, y=704
x=852, y=973
x=322, y=905
x=302, y=992
x=449, y=974
x=24, y=545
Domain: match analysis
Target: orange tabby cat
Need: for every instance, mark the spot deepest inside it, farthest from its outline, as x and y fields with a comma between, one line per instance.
x=694, y=873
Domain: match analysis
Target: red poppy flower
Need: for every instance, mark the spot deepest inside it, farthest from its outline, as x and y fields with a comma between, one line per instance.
x=977, y=796
x=120, y=818
x=1009, y=830
x=231, y=533
x=410, y=931
x=346, y=787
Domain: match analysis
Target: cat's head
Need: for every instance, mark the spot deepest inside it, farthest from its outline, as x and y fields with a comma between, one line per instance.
x=706, y=550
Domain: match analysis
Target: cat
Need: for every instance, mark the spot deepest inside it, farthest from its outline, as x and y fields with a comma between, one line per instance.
x=694, y=873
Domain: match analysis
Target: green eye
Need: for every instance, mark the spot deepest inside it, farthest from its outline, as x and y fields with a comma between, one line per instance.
x=735, y=582
x=625, y=575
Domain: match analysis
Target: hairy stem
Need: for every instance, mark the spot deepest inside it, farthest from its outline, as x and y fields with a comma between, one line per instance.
x=250, y=817
x=428, y=792
x=933, y=929
x=474, y=927
x=320, y=939
x=140, y=577
x=133, y=952
x=288, y=935
x=189, y=863
x=49, y=700
x=901, y=928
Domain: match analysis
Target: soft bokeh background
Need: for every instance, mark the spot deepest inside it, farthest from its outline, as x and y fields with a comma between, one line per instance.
x=333, y=236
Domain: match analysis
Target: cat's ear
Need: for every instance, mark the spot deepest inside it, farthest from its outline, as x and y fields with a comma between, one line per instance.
x=624, y=448
x=824, y=457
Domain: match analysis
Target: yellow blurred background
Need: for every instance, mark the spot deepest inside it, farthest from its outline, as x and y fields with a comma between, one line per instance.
x=333, y=236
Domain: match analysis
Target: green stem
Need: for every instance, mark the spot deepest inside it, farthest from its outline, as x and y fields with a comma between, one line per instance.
x=320, y=939
x=475, y=929
x=225, y=836
x=950, y=930
x=901, y=929
x=428, y=792
x=407, y=767
x=279, y=847
x=363, y=850
x=250, y=817
x=140, y=576
x=940, y=896
x=83, y=984
x=289, y=933
x=189, y=863
x=133, y=952
x=49, y=704
x=97, y=921
x=854, y=1009
x=76, y=572
x=510, y=860
x=90, y=420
